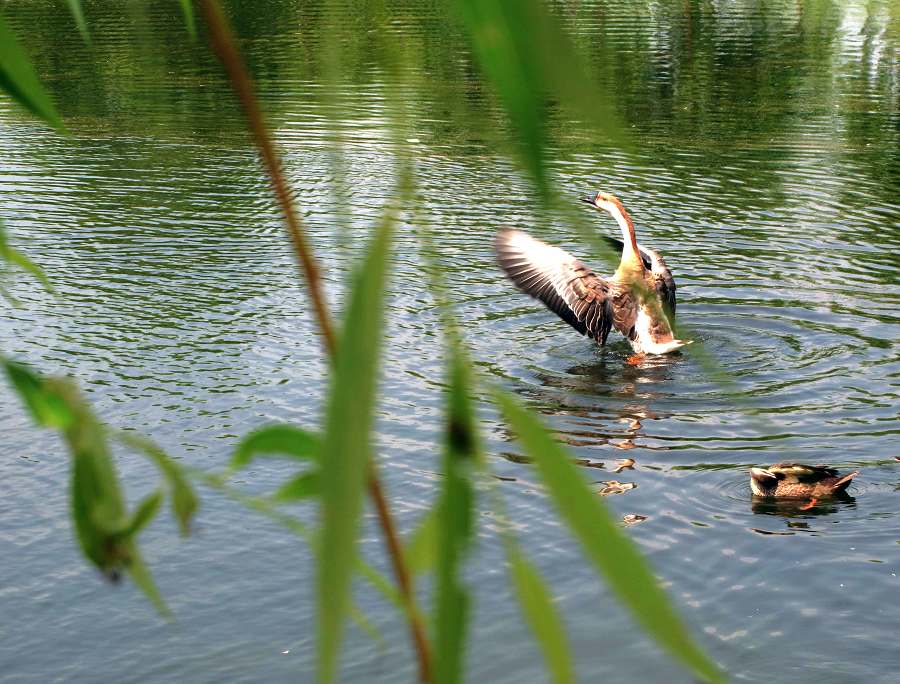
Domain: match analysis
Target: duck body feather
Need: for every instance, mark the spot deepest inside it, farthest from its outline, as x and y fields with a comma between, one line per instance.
x=799, y=481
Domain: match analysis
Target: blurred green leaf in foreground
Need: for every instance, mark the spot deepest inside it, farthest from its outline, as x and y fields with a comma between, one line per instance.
x=18, y=79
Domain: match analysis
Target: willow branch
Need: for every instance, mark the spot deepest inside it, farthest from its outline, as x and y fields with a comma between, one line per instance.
x=225, y=47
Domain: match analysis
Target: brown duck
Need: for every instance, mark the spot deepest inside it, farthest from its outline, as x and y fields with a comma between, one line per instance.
x=638, y=300
x=798, y=481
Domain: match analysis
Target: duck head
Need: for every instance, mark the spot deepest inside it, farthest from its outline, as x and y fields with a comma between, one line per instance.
x=763, y=482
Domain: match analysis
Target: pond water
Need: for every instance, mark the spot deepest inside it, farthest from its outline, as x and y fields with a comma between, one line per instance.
x=761, y=160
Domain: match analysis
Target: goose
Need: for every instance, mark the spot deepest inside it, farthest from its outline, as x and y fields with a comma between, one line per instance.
x=798, y=481
x=638, y=300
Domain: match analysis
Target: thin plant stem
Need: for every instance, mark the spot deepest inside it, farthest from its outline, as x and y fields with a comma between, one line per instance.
x=401, y=573
x=225, y=47
x=223, y=43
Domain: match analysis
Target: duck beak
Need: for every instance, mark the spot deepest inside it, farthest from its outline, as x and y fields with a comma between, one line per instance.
x=761, y=474
x=588, y=199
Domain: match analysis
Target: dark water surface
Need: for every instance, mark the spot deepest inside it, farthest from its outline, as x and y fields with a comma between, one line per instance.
x=762, y=161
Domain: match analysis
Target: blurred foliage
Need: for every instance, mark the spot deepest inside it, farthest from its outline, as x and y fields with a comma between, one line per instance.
x=455, y=509
x=105, y=529
x=509, y=71
x=18, y=79
x=78, y=16
x=541, y=615
x=10, y=256
x=346, y=444
x=615, y=557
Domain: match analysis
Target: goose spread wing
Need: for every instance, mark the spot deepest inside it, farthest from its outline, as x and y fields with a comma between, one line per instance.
x=575, y=293
x=663, y=282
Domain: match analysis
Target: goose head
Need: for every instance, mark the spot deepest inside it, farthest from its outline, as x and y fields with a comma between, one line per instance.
x=604, y=201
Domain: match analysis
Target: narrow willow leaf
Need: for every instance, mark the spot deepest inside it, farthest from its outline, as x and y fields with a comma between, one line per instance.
x=420, y=551
x=277, y=440
x=187, y=11
x=346, y=445
x=454, y=524
x=46, y=407
x=78, y=15
x=143, y=580
x=503, y=50
x=527, y=56
x=534, y=598
x=611, y=551
x=303, y=486
x=9, y=297
x=541, y=615
x=366, y=625
x=144, y=513
x=98, y=506
x=184, y=499
x=16, y=258
x=564, y=71
x=17, y=78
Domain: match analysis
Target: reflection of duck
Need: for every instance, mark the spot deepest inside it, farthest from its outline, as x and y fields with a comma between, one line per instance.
x=638, y=299
x=799, y=508
x=798, y=481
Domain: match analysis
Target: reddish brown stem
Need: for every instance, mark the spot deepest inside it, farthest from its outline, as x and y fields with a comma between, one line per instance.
x=401, y=573
x=225, y=47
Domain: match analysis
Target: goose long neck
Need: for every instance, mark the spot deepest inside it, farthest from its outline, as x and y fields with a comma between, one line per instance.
x=629, y=241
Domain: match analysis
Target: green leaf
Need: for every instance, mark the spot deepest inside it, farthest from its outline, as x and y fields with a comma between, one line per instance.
x=143, y=580
x=184, y=500
x=17, y=78
x=346, y=445
x=502, y=45
x=454, y=523
x=98, y=506
x=8, y=296
x=143, y=514
x=187, y=11
x=277, y=440
x=420, y=551
x=564, y=71
x=47, y=408
x=527, y=56
x=534, y=598
x=78, y=15
x=366, y=625
x=541, y=615
x=612, y=552
x=303, y=486
x=16, y=258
